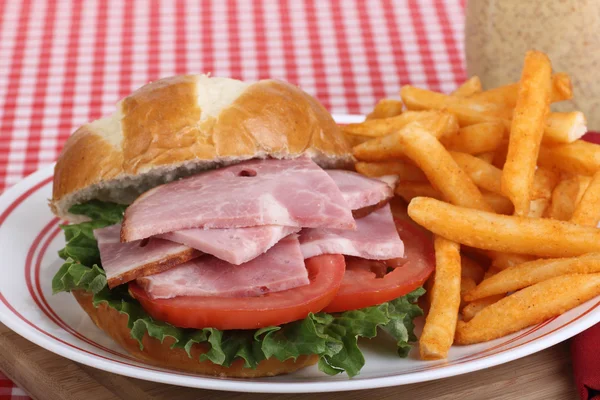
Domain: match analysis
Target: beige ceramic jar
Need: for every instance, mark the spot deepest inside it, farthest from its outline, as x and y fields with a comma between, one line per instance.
x=499, y=32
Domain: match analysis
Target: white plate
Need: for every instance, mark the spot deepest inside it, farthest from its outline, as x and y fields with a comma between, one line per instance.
x=30, y=239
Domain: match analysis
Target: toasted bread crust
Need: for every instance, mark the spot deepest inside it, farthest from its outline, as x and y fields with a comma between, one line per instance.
x=162, y=355
x=160, y=133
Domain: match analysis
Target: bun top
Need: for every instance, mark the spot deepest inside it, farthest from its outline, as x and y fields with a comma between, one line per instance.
x=178, y=126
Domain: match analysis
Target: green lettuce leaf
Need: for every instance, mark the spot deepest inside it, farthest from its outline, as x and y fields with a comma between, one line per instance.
x=333, y=337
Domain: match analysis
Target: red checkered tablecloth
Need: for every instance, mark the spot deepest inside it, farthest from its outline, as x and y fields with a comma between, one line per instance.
x=63, y=63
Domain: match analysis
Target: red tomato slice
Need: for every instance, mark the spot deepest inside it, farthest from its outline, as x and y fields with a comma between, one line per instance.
x=365, y=284
x=325, y=273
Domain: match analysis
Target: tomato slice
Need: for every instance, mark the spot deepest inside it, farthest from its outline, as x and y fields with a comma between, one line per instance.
x=365, y=284
x=325, y=273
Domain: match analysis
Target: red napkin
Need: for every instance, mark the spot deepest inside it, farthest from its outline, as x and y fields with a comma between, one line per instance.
x=585, y=351
x=585, y=347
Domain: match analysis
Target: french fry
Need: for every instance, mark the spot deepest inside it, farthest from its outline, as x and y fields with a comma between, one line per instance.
x=511, y=234
x=587, y=211
x=499, y=203
x=502, y=261
x=388, y=147
x=487, y=157
x=410, y=190
x=484, y=175
x=526, y=130
x=471, y=269
x=473, y=308
x=440, y=324
x=528, y=306
x=584, y=183
x=544, y=182
x=386, y=108
x=500, y=154
x=404, y=170
x=564, y=199
x=467, y=284
x=475, y=139
x=439, y=167
x=530, y=273
x=438, y=122
x=538, y=207
x=562, y=89
x=467, y=110
x=488, y=177
x=355, y=140
x=579, y=157
x=470, y=87
x=565, y=127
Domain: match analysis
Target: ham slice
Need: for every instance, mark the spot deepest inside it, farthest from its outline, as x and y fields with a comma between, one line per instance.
x=235, y=245
x=259, y=192
x=124, y=262
x=375, y=238
x=280, y=268
x=360, y=191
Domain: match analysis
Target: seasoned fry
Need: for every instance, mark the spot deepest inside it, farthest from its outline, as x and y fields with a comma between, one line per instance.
x=584, y=183
x=355, y=140
x=475, y=139
x=501, y=261
x=530, y=273
x=484, y=175
x=538, y=207
x=587, y=211
x=499, y=203
x=564, y=199
x=512, y=234
x=473, y=308
x=579, y=157
x=471, y=269
x=544, y=182
x=487, y=157
x=500, y=154
x=404, y=170
x=440, y=324
x=438, y=122
x=467, y=284
x=488, y=177
x=386, y=108
x=410, y=190
x=529, y=306
x=439, y=167
x=388, y=147
x=470, y=87
x=526, y=130
x=564, y=127
x=562, y=89
x=468, y=111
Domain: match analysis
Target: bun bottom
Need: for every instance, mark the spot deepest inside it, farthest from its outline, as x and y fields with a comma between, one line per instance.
x=161, y=355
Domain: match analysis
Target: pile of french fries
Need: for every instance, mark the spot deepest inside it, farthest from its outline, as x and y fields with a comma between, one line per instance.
x=509, y=191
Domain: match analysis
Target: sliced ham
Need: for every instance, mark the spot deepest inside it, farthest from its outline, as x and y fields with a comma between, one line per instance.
x=124, y=262
x=259, y=192
x=360, y=191
x=280, y=268
x=235, y=245
x=375, y=238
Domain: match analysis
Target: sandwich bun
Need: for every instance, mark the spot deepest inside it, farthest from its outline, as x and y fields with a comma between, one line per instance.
x=177, y=126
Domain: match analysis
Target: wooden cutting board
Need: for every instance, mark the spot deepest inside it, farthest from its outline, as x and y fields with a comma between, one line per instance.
x=46, y=376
